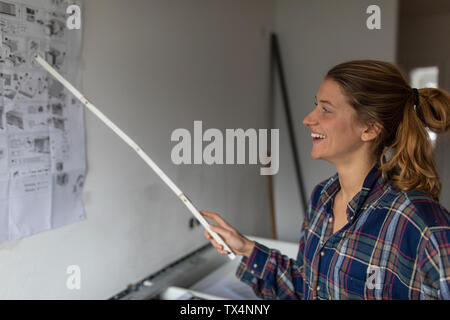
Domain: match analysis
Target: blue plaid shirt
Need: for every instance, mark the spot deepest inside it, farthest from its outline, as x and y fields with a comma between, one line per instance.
x=394, y=246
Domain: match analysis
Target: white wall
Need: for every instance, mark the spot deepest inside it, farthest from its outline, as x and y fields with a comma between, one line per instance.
x=314, y=36
x=152, y=67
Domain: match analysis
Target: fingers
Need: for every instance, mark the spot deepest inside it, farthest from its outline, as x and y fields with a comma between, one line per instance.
x=215, y=244
x=222, y=232
x=223, y=229
x=218, y=219
x=224, y=252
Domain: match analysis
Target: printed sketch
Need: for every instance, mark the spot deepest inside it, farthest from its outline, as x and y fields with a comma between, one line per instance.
x=15, y=119
x=41, y=144
x=78, y=186
x=62, y=179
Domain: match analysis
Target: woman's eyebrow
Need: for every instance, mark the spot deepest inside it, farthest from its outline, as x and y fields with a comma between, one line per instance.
x=325, y=101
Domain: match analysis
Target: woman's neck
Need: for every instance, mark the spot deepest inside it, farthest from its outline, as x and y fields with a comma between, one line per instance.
x=352, y=176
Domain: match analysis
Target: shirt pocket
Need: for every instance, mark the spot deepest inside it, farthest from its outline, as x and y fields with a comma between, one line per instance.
x=363, y=286
x=350, y=287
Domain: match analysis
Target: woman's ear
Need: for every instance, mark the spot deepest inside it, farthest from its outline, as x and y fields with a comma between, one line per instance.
x=371, y=131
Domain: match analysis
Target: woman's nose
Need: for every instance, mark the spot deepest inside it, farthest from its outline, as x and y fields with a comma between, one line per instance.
x=310, y=119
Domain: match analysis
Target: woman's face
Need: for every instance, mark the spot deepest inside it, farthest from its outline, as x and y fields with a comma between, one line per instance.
x=336, y=133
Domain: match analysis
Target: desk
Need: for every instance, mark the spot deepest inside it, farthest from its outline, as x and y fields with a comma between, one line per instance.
x=223, y=283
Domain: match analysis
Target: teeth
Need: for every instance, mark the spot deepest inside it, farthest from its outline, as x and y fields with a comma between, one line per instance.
x=317, y=135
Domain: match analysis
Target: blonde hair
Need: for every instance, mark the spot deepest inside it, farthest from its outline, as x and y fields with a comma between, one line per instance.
x=379, y=93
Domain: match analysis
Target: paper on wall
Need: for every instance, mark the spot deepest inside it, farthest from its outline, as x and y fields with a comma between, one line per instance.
x=42, y=151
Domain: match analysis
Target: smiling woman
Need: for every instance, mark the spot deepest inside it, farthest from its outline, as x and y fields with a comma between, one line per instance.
x=374, y=230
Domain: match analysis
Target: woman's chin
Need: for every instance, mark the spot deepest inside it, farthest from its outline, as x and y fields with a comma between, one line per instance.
x=315, y=155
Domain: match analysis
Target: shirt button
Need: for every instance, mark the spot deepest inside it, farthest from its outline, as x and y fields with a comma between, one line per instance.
x=318, y=288
x=252, y=272
x=322, y=253
x=255, y=266
x=330, y=220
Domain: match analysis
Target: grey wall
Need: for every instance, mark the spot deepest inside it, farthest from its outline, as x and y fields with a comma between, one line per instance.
x=314, y=36
x=152, y=67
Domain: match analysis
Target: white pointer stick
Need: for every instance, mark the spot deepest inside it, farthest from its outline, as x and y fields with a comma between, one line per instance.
x=139, y=151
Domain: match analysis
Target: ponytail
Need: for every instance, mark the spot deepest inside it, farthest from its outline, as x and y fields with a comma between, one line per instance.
x=412, y=165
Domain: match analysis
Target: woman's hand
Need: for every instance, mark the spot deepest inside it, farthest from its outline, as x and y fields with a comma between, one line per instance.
x=236, y=241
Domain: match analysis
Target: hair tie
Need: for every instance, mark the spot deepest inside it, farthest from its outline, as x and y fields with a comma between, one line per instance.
x=416, y=99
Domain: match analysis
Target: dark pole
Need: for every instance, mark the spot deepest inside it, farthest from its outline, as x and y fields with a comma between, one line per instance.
x=276, y=56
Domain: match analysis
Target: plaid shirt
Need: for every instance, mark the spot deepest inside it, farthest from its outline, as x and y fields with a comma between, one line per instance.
x=394, y=246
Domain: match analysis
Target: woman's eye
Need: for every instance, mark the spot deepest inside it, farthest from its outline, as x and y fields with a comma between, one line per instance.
x=323, y=108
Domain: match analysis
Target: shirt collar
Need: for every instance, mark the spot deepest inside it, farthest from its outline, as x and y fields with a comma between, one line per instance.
x=372, y=181
x=355, y=205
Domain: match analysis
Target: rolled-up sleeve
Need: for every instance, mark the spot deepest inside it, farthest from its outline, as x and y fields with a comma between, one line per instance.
x=271, y=274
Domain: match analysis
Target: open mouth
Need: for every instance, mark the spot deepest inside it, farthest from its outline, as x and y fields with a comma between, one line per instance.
x=317, y=137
